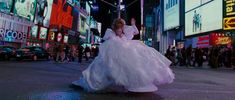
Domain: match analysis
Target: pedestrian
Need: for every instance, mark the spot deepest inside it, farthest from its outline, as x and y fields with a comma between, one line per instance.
x=67, y=53
x=96, y=51
x=59, y=54
x=229, y=57
x=233, y=58
x=80, y=53
x=73, y=53
x=214, y=59
x=168, y=52
x=189, y=56
x=55, y=52
x=173, y=56
x=87, y=52
x=184, y=56
x=193, y=57
x=198, y=57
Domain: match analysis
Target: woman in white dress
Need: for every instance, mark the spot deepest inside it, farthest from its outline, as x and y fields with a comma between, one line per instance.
x=125, y=65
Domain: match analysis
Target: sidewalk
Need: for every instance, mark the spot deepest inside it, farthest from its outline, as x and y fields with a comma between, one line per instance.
x=205, y=66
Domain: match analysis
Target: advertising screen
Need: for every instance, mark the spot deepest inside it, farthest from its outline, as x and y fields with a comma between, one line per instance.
x=61, y=14
x=66, y=39
x=59, y=37
x=202, y=41
x=43, y=12
x=82, y=26
x=99, y=27
x=25, y=8
x=220, y=39
x=34, y=31
x=51, y=36
x=171, y=14
x=192, y=4
x=229, y=15
x=201, y=17
x=43, y=33
x=6, y=5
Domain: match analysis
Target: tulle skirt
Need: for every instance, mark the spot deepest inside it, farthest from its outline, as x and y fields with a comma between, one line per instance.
x=127, y=65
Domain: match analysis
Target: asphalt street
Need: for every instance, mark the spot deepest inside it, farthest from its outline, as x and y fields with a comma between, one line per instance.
x=47, y=80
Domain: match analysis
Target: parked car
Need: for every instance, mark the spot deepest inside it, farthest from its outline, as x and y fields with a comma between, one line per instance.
x=7, y=52
x=33, y=53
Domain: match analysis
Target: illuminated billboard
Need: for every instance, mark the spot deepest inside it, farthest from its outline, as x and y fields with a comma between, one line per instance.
x=82, y=24
x=66, y=39
x=12, y=36
x=43, y=12
x=200, y=17
x=61, y=14
x=229, y=15
x=59, y=37
x=43, y=33
x=6, y=5
x=220, y=39
x=171, y=14
x=51, y=36
x=25, y=8
x=34, y=31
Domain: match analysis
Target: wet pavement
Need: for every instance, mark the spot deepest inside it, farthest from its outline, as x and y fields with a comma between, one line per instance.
x=46, y=80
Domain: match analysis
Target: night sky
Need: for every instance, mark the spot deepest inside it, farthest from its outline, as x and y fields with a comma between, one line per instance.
x=106, y=18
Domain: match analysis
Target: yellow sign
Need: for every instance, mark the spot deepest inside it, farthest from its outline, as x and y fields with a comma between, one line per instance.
x=229, y=23
x=224, y=40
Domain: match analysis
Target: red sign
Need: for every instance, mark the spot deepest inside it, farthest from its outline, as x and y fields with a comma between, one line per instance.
x=203, y=41
x=220, y=39
x=61, y=14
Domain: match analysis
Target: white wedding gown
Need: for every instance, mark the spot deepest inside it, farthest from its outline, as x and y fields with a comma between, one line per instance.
x=126, y=65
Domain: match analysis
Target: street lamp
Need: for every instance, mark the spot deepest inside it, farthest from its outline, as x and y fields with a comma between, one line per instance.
x=119, y=8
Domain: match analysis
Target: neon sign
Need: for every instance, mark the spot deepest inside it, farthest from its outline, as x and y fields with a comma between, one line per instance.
x=12, y=36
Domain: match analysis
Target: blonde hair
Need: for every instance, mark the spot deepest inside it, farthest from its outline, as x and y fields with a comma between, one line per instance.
x=118, y=23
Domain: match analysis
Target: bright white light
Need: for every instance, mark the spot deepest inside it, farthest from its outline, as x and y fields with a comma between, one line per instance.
x=121, y=1
x=122, y=7
x=90, y=2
